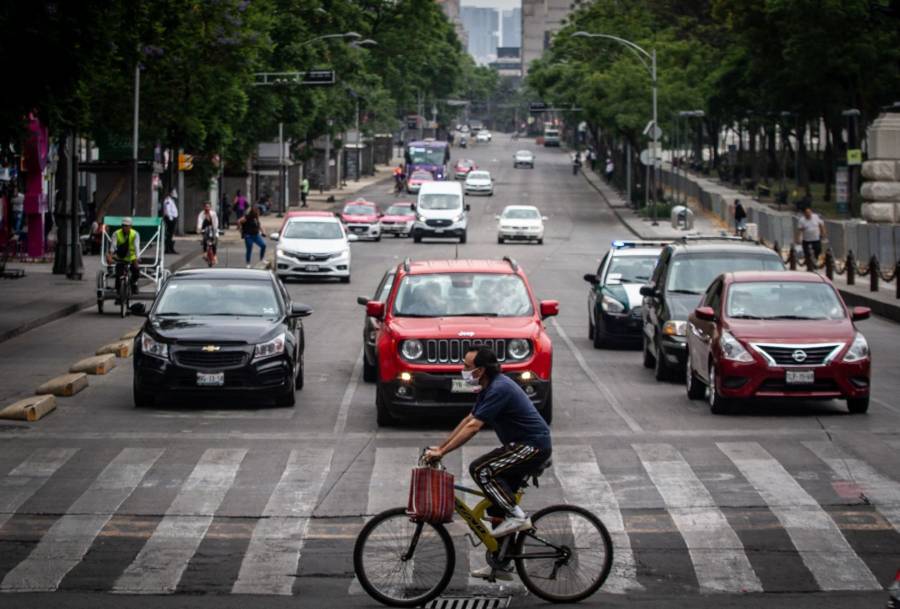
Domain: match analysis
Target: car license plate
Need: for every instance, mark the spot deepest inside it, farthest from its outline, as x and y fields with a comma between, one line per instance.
x=311, y=268
x=439, y=230
x=800, y=377
x=460, y=386
x=210, y=379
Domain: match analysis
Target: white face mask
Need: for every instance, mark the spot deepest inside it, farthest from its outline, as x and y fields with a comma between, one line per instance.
x=469, y=377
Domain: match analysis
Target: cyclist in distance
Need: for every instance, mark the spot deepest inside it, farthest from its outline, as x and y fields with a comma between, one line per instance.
x=126, y=244
x=523, y=433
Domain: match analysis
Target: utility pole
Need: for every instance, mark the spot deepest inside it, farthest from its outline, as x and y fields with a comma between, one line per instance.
x=134, y=143
x=327, y=176
x=282, y=204
x=358, y=138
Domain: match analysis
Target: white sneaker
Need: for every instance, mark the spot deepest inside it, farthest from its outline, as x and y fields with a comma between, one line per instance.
x=249, y=266
x=488, y=572
x=512, y=525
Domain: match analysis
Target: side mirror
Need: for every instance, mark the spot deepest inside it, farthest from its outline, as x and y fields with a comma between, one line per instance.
x=375, y=309
x=352, y=238
x=860, y=313
x=497, y=217
x=705, y=313
x=274, y=236
x=412, y=207
x=591, y=278
x=362, y=300
x=140, y=309
x=300, y=310
x=648, y=290
x=549, y=308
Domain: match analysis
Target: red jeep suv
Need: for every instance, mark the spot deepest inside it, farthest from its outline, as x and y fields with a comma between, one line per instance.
x=434, y=312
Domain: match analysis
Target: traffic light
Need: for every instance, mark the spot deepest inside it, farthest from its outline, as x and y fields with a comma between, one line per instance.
x=185, y=162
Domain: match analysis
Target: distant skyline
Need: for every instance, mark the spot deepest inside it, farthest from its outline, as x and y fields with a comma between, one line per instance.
x=498, y=4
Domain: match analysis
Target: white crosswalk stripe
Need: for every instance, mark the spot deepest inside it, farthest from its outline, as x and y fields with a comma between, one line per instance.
x=270, y=564
x=819, y=541
x=583, y=484
x=158, y=567
x=70, y=537
x=28, y=477
x=881, y=490
x=716, y=550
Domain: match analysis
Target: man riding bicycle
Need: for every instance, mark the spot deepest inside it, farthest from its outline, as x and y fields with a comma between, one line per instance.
x=521, y=430
x=126, y=246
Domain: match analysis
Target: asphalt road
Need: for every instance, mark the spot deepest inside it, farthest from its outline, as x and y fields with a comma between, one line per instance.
x=200, y=505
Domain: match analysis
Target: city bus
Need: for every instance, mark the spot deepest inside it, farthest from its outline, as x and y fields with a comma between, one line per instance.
x=430, y=155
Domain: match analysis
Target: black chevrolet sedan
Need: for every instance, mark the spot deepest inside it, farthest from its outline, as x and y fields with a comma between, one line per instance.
x=220, y=332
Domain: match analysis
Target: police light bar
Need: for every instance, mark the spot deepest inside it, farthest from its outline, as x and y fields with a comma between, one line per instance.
x=622, y=244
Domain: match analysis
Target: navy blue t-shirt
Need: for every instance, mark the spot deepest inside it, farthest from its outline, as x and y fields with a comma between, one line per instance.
x=504, y=406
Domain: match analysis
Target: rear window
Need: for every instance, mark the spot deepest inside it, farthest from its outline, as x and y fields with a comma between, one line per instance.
x=692, y=273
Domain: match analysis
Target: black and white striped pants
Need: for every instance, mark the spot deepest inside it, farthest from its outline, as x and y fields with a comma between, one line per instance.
x=500, y=472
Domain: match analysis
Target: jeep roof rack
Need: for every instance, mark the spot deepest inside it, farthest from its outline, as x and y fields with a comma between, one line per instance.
x=406, y=264
x=512, y=263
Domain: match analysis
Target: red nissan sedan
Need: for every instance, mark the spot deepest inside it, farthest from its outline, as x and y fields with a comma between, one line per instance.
x=781, y=335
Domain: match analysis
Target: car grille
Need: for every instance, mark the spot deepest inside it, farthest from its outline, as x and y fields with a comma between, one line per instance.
x=310, y=257
x=452, y=350
x=783, y=355
x=438, y=222
x=209, y=360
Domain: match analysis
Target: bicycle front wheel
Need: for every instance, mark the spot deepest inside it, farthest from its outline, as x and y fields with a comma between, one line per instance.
x=566, y=557
x=386, y=569
x=124, y=289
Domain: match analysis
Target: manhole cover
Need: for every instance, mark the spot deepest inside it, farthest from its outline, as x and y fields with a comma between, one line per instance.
x=469, y=602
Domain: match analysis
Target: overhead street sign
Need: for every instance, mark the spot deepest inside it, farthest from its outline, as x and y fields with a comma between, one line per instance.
x=537, y=107
x=309, y=77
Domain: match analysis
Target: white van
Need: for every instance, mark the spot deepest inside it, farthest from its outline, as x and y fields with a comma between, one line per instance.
x=551, y=136
x=441, y=212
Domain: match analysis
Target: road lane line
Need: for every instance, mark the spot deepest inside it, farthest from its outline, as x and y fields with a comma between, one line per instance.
x=819, y=541
x=610, y=398
x=716, y=551
x=884, y=492
x=584, y=484
x=159, y=565
x=28, y=477
x=270, y=562
x=885, y=404
x=70, y=537
x=344, y=410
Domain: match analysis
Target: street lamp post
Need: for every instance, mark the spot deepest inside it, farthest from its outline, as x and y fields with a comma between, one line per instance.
x=643, y=56
x=686, y=137
x=134, y=143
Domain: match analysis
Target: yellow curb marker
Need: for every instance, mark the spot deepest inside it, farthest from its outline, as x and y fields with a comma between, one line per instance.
x=130, y=335
x=98, y=364
x=120, y=348
x=30, y=409
x=65, y=385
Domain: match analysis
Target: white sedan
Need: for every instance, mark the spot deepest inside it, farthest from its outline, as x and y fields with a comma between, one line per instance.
x=523, y=157
x=479, y=183
x=483, y=136
x=520, y=223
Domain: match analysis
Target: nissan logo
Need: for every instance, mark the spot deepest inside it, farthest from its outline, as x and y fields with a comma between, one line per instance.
x=799, y=356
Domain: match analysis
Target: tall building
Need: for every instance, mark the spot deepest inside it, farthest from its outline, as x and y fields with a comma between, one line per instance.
x=451, y=10
x=511, y=31
x=540, y=20
x=482, y=27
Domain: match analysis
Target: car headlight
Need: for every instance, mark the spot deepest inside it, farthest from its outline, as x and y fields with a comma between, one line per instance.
x=269, y=348
x=459, y=218
x=611, y=305
x=341, y=254
x=154, y=348
x=518, y=348
x=732, y=349
x=675, y=328
x=281, y=253
x=859, y=349
x=412, y=349
x=420, y=218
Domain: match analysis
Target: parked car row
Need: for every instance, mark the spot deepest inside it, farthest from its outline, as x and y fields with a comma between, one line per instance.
x=725, y=315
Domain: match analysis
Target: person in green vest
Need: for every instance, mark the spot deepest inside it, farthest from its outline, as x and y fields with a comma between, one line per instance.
x=126, y=245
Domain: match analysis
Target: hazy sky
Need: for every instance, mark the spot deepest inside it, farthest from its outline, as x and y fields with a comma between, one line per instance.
x=501, y=4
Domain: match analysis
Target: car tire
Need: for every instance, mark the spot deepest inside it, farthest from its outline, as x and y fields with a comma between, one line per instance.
x=694, y=387
x=462, y=238
x=345, y=279
x=100, y=306
x=500, y=240
x=858, y=405
x=382, y=416
x=299, y=380
x=547, y=411
x=377, y=239
x=540, y=241
x=661, y=370
x=591, y=329
x=599, y=337
x=370, y=371
x=417, y=238
x=142, y=399
x=717, y=404
x=288, y=398
x=649, y=360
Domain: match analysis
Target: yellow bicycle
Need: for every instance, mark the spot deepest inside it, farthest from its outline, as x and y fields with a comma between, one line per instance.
x=565, y=557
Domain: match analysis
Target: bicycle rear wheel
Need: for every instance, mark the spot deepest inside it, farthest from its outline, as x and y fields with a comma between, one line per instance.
x=378, y=559
x=572, y=554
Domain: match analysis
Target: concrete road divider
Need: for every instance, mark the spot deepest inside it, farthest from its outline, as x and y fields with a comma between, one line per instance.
x=30, y=409
x=120, y=348
x=65, y=385
x=130, y=335
x=98, y=364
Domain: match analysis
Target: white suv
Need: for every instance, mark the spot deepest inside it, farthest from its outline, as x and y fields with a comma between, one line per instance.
x=313, y=246
x=441, y=212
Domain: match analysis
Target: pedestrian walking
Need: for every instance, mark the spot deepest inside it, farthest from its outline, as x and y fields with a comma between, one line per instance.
x=239, y=205
x=609, y=170
x=740, y=218
x=576, y=163
x=226, y=211
x=592, y=159
x=304, y=191
x=170, y=217
x=250, y=231
x=810, y=233
x=17, y=204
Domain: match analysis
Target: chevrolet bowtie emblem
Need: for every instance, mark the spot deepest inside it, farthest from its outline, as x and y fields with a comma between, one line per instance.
x=211, y=348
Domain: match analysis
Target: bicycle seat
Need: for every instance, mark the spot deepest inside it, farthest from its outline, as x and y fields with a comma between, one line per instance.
x=538, y=471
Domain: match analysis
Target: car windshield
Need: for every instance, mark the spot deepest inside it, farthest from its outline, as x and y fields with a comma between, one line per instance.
x=479, y=175
x=313, y=230
x=439, y=201
x=465, y=164
x=692, y=274
x=221, y=297
x=632, y=269
x=521, y=214
x=359, y=210
x=462, y=294
x=422, y=175
x=523, y=153
x=399, y=210
x=419, y=155
x=783, y=300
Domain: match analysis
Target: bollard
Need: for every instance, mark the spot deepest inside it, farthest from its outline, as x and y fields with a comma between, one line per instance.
x=792, y=259
x=873, y=274
x=851, y=268
x=829, y=264
x=811, y=261
x=897, y=278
